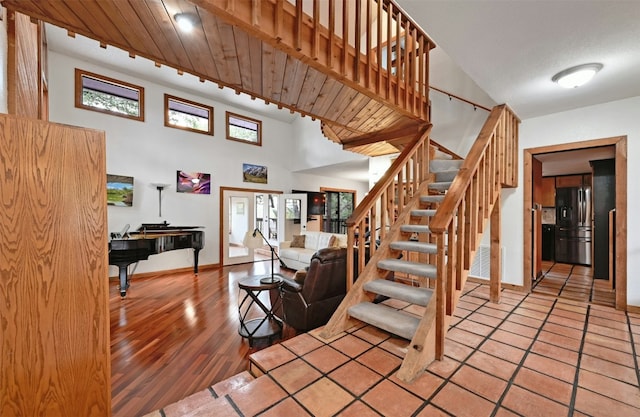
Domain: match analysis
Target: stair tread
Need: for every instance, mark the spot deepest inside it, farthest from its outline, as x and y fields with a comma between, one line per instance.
x=422, y=247
x=442, y=185
x=439, y=165
x=399, y=291
x=415, y=228
x=431, y=198
x=408, y=267
x=423, y=212
x=386, y=318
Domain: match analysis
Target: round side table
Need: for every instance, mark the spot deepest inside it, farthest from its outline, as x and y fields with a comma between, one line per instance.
x=266, y=325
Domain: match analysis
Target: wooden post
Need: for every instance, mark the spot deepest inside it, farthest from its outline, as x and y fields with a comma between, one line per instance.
x=495, y=277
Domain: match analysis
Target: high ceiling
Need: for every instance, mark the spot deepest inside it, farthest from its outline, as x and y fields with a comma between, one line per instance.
x=512, y=48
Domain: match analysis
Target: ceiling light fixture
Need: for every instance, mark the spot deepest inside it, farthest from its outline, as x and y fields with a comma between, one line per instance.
x=185, y=21
x=576, y=76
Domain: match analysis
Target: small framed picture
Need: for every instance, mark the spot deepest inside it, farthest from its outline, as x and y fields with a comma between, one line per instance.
x=254, y=173
x=193, y=182
x=119, y=190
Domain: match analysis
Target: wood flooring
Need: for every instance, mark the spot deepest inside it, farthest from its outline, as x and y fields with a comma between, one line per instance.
x=174, y=335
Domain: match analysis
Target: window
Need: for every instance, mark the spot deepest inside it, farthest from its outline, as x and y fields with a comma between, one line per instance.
x=244, y=129
x=98, y=93
x=187, y=115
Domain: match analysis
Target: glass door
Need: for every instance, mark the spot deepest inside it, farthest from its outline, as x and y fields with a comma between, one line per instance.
x=292, y=216
x=238, y=219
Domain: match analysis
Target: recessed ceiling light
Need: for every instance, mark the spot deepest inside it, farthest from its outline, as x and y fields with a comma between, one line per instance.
x=185, y=21
x=576, y=76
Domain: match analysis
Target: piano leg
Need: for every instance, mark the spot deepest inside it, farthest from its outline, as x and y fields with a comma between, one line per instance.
x=124, y=280
x=196, y=252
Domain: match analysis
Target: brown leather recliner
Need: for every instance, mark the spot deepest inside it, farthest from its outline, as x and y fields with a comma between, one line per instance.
x=309, y=301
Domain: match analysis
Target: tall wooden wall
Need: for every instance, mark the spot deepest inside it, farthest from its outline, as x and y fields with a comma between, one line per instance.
x=26, y=67
x=54, y=312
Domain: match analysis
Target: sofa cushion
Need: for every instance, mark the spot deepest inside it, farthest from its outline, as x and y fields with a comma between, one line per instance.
x=312, y=240
x=297, y=254
x=306, y=255
x=298, y=241
x=323, y=240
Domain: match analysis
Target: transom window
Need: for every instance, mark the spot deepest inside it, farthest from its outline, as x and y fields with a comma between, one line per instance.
x=244, y=129
x=188, y=115
x=103, y=94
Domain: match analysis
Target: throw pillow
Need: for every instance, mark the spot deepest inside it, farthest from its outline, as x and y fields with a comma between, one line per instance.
x=333, y=241
x=298, y=241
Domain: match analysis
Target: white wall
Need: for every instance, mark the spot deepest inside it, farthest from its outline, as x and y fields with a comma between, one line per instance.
x=152, y=153
x=606, y=120
x=312, y=149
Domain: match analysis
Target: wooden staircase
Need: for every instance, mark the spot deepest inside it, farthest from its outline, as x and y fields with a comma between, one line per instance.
x=429, y=244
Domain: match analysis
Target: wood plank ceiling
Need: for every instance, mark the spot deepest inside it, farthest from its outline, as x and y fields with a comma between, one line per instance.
x=222, y=53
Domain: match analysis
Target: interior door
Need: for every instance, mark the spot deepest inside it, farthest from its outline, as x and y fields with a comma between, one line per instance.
x=237, y=220
x=292, y=215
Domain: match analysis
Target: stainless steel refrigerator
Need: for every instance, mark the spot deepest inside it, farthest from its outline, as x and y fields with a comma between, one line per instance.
x=573, y=225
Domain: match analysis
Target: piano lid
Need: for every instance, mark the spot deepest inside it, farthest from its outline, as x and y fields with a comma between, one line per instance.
x=157, y=227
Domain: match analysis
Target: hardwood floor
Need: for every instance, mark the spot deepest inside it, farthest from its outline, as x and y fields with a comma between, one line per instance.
x=175, y=335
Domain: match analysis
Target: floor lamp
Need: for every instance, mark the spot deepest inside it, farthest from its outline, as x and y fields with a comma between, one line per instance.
x=253, y=241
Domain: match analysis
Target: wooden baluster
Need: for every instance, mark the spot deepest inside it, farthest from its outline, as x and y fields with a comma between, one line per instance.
x=451, y=266
x=405, y=64
x=332, y=33
x=278, y=19
x=369, y=46
x=297, y=42
x=421, y=86
x=358, y=52
x=388, y=39
x=441, y=283
x=396, y=77
x=345, y=36
x=379, y=49
x=315, y=40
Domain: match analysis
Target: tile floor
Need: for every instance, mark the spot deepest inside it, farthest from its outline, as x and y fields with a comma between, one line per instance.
x=530, y=355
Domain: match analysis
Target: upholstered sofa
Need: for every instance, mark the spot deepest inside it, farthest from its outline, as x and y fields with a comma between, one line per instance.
x=295, y=257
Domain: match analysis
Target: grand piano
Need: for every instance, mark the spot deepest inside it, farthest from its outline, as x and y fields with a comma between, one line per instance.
x=151, y=239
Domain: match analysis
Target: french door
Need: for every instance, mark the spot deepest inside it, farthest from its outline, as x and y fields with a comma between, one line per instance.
x=292, y=215
x=238, y=212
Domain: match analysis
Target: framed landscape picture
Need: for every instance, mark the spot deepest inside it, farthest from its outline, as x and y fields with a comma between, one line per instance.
x=119, y=190
x=193, y=182
x=254, y=173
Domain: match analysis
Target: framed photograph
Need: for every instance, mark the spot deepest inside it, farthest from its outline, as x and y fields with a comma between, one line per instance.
x=119, y=190
x=254, y=173
x=193, y=182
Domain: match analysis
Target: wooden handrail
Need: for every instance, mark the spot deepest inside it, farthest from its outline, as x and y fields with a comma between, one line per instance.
x=388, y=197
x=460, y=220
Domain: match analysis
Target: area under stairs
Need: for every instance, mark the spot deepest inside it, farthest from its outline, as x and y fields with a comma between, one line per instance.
x=416, y=241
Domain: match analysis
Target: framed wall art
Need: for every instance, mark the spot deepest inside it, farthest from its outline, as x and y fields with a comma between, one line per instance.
x=254, y=173
x=193, y=182
x=119, y=190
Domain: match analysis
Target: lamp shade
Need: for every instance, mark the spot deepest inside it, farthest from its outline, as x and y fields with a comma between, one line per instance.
x=252, y=240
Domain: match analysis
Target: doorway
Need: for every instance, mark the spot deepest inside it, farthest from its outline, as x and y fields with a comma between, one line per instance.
x=243, y=210
x=618, y=258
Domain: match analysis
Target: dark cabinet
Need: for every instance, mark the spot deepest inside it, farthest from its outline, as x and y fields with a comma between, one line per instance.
x=548, y=242
x=604, y=199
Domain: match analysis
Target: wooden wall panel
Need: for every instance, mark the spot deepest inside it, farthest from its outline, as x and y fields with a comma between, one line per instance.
x=23, y=69
x=54, y=312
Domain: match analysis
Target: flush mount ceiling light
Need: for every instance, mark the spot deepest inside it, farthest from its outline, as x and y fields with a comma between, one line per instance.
x=185, y=21
x=576, y=76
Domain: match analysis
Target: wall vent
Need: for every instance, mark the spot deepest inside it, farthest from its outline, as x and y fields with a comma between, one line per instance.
x=481, y=266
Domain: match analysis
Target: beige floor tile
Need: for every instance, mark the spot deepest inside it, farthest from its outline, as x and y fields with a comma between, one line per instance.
x=390, y=400
x=325, y=359
x=355, y=377
x=324, y=398
x=295, y=375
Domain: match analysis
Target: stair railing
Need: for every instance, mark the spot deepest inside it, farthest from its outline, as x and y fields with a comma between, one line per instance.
x=459, y=222
x=377, y=212
x=370, y=45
